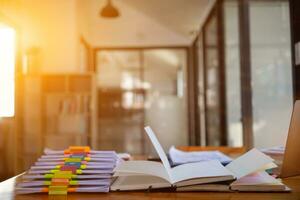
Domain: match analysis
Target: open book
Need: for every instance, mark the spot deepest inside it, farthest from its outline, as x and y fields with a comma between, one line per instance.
x=137, y=175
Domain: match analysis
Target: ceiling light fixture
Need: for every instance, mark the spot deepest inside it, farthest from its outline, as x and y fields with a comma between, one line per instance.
x=109, y=11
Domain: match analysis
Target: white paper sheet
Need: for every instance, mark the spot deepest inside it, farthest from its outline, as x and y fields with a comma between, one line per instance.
x=248, y=163
x=180, y=157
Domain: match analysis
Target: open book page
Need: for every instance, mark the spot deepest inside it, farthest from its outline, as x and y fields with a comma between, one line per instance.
x=203, y=169
x=140, y=167
x=250, y=162
x=190, y=170
x=160, y=151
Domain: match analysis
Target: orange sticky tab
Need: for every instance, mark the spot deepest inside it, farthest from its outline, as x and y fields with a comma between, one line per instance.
x=60, y=181
x=45, y=190
x=77, y=149
x=72, y=189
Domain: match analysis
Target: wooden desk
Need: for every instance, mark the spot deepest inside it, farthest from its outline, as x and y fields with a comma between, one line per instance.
x=7, y=193
x=7, y=189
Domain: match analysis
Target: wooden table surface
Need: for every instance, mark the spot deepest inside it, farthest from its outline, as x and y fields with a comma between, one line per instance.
x=7, y=193
x=7, y=189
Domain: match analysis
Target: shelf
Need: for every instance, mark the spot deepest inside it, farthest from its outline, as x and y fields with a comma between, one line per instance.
x=51, y=83
x=80, y=83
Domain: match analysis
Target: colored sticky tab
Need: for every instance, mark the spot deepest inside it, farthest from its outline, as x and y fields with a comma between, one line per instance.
x=63, y=174
x=53, y=171
x=78, y=171
x=87, y=158
x=72, y=189
x=60, y=181
x=76, y=164
x=84, y=162
x=47, y=176
x=83, y=149
x=69, y=168
x=83, y=167
x=73, y=182
x=73, y=160
x=45, y=189
x=77, y=156
x=47, y=182
x=58, y=190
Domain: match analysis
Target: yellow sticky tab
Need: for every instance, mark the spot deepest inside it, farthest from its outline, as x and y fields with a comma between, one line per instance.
x=73, y=160
x=63, y=174
x=47, y=182
x=78, y=171
x=87, y=158
x=57, y=167
x=83, y=166
x=74, y=176
x=73, y=182
x=53, y=171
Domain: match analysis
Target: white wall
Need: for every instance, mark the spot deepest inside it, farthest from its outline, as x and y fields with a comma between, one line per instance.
x=49, y=26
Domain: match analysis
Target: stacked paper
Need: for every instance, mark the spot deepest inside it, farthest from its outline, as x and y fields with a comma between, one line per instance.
x=77, y=169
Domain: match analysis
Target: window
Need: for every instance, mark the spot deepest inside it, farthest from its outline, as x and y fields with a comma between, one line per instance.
x=7, y=71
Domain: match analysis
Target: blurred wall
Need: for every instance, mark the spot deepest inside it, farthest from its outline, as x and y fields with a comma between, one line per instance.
x=131, y=29
x=48, y=31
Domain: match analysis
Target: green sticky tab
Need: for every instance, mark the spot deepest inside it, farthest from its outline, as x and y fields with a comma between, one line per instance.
x=74, y=176
x=83, y=167
x=78, y=171
x=47, y=176
x=73, y=182
x=47, y=182
x=54, y=171
x=73, y=160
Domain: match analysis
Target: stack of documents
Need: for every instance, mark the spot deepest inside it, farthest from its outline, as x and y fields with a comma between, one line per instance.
x=77, y=169
x=246, y=173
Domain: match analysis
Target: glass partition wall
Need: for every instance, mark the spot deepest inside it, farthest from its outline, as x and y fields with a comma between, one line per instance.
x=139, y=87
x=221, y=76
x=272, y=86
